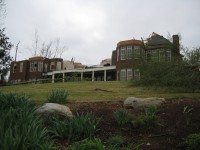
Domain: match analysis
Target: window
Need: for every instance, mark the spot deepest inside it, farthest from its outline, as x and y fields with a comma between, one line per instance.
x=14, y=68
x=123, y=53
x=117, y=54
x=58, y=67
x=129, y=52
x=45, y=67
x=168, y=55
x=123, y=74
x=136, y=74
x=154, y=55
x=161, y=55
x=52, y=66
x=33, y=66
x=136, y=52
x=40, y=66
x=21, y=67
x=129, y=74
x=148, y=56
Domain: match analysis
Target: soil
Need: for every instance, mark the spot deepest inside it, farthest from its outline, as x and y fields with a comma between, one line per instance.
x=177, y=117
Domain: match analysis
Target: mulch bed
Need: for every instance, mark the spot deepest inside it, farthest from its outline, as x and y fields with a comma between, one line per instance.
x=177, y=121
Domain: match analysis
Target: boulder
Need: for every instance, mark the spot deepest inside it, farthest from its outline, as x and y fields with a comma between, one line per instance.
x=50, y=108
x=134, y=102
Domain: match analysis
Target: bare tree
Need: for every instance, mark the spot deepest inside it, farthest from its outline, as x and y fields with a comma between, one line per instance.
x=58, y=49
x=34, y=48
x=46, y=50
x=51, y=49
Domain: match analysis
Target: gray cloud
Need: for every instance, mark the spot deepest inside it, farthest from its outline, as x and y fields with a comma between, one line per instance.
x=91, y=28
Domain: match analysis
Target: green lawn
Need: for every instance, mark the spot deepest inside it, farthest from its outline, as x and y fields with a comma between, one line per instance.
x=85, y=91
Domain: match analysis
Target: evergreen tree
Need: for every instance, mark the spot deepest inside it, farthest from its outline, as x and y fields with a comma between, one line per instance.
x=5, y=58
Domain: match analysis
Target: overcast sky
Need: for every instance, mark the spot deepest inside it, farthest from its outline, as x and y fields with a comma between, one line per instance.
x=91, y=29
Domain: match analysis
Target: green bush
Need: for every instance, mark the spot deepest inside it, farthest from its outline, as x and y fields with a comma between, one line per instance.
x=57, y=96
x=192, y=142
x=122, y=116
x=20, y=128
x=170, y=75
x=79, y=127
x=88, y=144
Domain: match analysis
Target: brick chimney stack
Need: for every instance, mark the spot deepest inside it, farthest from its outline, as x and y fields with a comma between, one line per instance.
x=176, y=44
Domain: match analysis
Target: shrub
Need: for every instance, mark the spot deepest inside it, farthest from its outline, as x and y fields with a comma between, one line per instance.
x=79, y=127
x=147, y=121
x=88, y=144
x=192, y=142
x=58, y=96
x=116, y=141
x=170, y=75
x=19, y=127
x=122, y=116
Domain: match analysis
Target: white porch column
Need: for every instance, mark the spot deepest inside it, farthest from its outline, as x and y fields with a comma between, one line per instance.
x=92, y=75
x=63, y=77
x=104, y=75
x=53, y=77
x=81, y=76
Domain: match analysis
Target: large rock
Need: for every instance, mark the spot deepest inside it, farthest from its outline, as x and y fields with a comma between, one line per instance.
x=134, y=102
x=51, y=108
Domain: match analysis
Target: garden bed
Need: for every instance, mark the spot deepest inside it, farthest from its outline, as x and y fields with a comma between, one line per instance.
x=177, y=119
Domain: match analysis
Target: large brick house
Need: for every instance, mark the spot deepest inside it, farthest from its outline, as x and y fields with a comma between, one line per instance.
x=124, y=65
x=129, y=54
x=33, y=68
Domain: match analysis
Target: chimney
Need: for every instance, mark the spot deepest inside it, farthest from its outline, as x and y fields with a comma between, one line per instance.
x=176, y=44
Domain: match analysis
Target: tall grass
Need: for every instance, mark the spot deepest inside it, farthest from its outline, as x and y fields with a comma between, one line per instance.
x=57, y=96
x=73, y=129
x=122, y=116
x=19, y=127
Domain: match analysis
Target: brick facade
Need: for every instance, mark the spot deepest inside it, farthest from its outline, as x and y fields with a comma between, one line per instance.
x=130, y=54
x=33, y=68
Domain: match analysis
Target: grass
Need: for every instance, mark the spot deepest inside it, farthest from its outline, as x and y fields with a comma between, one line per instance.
x=85, y=91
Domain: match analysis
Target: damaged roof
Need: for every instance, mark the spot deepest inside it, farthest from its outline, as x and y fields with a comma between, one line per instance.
x=156, y=39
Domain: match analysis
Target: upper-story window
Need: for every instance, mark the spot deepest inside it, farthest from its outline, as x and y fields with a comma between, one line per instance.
x=129, y=52
x=154, y=55
x=168, y=55
x=161, y=55
x=40, y=66
x=148, y=55
x=52, y=66
x=136, y=52
x=45, y=67
x=21, y=67
x=123, y=53
x=33, y=66
x=58, y=67
x=117, y=54
x=14, y=68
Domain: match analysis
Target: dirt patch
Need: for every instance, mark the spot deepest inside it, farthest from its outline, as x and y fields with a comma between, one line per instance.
x=178, y=118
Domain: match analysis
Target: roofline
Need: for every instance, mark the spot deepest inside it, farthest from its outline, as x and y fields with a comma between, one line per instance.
x=127, y=42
